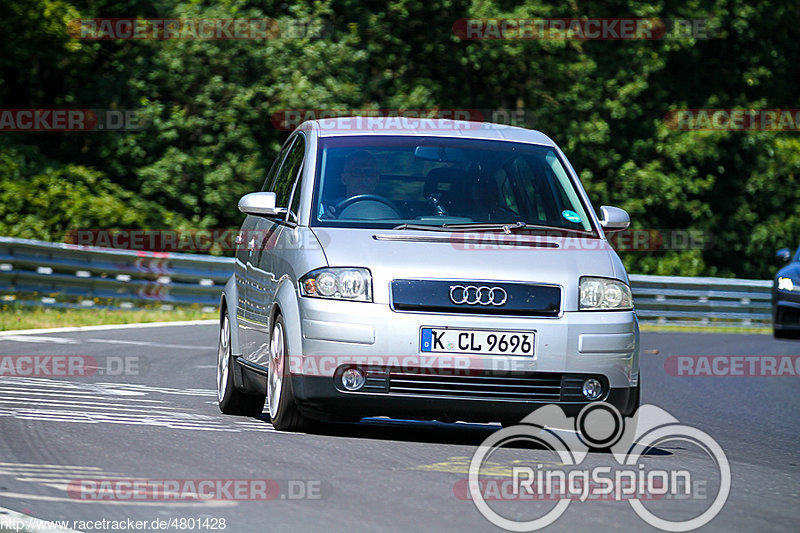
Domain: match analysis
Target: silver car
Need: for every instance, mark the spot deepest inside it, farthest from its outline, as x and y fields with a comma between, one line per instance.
x=435, y=269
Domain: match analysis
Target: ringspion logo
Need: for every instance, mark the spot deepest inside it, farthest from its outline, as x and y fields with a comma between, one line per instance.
x=600, y=425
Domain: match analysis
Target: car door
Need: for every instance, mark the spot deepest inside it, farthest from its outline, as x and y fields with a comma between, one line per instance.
x=247, y=242
x=263, y=273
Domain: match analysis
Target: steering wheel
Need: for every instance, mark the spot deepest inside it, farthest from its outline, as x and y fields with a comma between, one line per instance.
x=344, y=204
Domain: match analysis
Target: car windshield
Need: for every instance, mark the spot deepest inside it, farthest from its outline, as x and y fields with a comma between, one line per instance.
x=419, y=182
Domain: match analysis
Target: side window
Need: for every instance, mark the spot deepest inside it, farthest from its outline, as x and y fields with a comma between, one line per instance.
x=296, y=195
x=276, y=165
x=284, y=180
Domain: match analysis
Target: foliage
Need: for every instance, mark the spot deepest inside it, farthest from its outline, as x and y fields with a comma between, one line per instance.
x=208, y=139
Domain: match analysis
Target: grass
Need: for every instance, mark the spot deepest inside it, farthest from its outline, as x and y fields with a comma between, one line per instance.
x=14, y=317
x=762, y=330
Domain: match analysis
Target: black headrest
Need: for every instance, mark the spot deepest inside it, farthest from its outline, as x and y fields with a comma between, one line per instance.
x=444, y=179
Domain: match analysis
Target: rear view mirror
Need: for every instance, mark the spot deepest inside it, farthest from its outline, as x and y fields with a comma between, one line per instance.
x=440, y=154
x=260, y=203
x=614, y=218
x=784, y=254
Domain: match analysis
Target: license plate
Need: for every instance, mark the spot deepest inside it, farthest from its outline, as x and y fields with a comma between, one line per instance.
x=437, y=340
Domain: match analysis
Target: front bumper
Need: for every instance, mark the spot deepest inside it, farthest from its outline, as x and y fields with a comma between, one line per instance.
x=567, y=350
x=318, y=398
x=786, y=310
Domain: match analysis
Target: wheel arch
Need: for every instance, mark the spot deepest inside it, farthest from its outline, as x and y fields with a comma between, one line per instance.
x=287, y=305
x=230, y=294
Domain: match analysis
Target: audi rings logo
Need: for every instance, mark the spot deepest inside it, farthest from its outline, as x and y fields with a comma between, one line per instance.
x=474, y=295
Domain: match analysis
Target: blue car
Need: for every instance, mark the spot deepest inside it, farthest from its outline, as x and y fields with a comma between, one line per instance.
x=786, y=297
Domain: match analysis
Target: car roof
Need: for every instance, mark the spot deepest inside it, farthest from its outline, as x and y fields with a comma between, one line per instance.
x=360, y=126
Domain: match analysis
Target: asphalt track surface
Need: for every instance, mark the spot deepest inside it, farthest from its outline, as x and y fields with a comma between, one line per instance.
x=159, y=421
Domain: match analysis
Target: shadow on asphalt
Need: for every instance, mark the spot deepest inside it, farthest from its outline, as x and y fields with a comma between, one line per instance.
x=427, y=432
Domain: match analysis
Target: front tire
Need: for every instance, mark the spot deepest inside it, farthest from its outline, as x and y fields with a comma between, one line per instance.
x=231, y=400
x=785, y=334
x=282, y=407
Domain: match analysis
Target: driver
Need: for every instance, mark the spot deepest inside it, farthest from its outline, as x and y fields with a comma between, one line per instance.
x=359, y=176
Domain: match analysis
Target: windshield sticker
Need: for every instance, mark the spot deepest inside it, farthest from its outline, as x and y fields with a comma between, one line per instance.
x=572, y=216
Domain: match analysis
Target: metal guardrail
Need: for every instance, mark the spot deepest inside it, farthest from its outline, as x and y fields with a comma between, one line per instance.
x=66, y=275
x=702, y=301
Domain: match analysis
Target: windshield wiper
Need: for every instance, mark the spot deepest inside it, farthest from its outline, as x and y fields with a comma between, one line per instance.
x=489, y=226
x=558, y=229
x=475, y=226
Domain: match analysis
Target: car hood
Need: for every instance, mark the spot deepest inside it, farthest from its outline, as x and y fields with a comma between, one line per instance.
x=472, y=256
x=792, y=270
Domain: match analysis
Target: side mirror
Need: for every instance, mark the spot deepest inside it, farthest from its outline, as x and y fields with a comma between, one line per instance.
x=260, y=203
x=614, y=218
x=784, y=254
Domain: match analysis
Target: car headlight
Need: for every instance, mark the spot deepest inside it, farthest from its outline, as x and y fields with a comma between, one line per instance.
x=604, y=294
x=354, y=284
x=785, y=284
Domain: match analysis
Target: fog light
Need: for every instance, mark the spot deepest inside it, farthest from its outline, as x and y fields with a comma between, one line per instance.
x=353, y=379
x=592, y=389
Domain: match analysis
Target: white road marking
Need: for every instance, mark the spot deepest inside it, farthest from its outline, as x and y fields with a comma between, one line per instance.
x=59, y=477
x=51, y=400
x=67, y=403
x=37, y=466
x=75, y=394
x=108, y=327
x=55, y=392
x=170, y=504
x=32, y=525
x=153, y=344
x=36, y=339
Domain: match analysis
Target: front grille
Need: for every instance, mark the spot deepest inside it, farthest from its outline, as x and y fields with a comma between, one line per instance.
x=485, y=385
x=542, y=388
x=511, y=299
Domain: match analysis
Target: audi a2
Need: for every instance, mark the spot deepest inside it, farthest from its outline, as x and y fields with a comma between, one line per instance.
x=424, y=269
